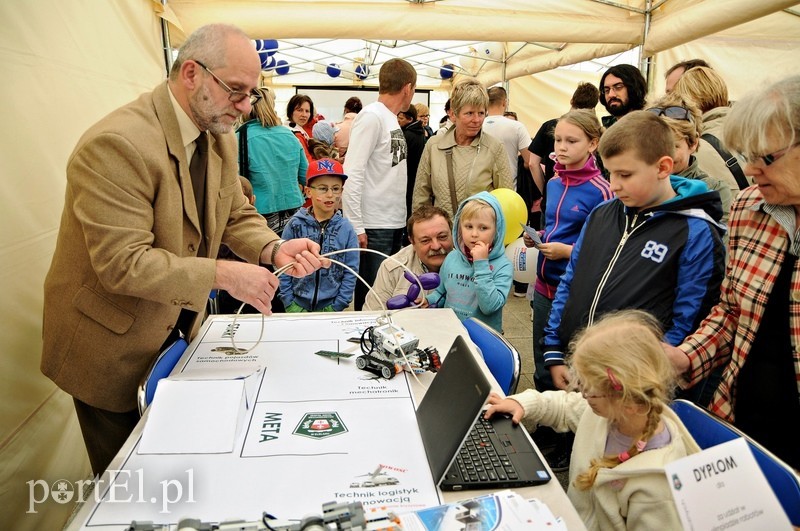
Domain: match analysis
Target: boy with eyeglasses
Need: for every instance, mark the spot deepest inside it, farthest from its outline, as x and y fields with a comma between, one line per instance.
x=332, y=289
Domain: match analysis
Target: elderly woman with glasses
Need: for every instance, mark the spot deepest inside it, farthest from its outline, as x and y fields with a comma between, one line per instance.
x=754, y=330
x=273, y=160
x=685, y=121
x=463, y=161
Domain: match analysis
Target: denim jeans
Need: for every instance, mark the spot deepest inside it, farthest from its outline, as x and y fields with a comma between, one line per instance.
x=386, y=241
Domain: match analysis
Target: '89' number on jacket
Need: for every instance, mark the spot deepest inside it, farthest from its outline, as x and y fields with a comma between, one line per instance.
x=655, y=251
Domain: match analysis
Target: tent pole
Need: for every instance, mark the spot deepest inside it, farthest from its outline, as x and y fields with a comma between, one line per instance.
x=646, y=63
x=165, y=42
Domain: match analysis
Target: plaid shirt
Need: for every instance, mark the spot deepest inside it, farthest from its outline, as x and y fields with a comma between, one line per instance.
x=756, y=250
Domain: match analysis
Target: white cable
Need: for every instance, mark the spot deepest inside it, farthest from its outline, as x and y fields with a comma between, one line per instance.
x=386, y=314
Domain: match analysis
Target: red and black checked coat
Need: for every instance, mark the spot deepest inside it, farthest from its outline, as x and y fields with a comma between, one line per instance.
x=756, y=251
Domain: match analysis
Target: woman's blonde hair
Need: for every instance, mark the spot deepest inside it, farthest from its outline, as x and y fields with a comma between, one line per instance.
x=468, y=92
x=264, y=109
x=704, y=87
x=621, y=357
x=763, y=117
x=321, y=150
x=688, y=129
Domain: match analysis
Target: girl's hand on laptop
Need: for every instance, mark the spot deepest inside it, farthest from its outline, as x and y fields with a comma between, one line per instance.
x=508, y=406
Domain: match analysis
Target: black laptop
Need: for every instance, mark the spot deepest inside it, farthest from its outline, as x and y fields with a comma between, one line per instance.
x=464, y=450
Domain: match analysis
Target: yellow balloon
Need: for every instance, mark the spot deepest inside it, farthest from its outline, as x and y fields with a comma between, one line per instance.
x=513, y=208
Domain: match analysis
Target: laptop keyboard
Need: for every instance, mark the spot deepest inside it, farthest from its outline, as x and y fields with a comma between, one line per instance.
x=483, y=457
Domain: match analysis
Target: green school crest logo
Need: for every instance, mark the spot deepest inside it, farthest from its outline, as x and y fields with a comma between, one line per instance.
x=320, y=425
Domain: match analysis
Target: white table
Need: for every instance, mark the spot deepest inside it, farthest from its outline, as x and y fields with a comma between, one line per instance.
x=206, y=473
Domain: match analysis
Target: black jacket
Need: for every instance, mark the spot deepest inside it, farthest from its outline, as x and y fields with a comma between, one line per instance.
x=668, y=260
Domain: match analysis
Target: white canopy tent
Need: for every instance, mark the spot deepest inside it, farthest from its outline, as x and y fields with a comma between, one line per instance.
x=67, y=63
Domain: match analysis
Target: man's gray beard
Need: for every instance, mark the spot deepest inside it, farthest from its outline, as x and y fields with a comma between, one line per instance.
x=204, y=114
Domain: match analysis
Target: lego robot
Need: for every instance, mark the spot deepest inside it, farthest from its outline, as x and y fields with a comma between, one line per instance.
x=388, y=349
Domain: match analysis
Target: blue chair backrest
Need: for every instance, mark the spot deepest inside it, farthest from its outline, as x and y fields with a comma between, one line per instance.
x=161, y=368
x=500, y=356
x=709, y=430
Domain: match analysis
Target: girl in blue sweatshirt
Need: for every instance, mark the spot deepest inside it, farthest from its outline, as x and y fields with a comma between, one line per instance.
x=476, y=276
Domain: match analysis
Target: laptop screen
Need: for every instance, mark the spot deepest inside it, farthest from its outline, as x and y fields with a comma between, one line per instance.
x=453, y=401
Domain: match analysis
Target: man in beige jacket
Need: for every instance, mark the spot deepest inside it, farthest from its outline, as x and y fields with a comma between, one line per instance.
x=135, y=256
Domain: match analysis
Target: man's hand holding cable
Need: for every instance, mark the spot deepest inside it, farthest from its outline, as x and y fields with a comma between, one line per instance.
x=248, y=283
x=301, y=252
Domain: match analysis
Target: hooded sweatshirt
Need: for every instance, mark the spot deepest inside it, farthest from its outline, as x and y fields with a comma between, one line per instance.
x=325, y=287
x=476, y=288
x=572, y=194
x=668, y=260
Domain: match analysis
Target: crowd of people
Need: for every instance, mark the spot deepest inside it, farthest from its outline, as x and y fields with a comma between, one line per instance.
x=669, y=243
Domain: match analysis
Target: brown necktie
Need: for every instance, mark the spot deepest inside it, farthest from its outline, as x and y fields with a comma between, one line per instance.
x=197, y=168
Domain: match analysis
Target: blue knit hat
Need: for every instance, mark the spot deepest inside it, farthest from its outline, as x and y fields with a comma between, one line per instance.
x=323, y=131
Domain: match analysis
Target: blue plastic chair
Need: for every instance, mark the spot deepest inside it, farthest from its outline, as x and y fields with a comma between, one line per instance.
x=500, y=356
x=160, y=368
x=709, y=430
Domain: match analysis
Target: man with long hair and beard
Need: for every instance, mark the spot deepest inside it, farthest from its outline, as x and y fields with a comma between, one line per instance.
x=622, y=90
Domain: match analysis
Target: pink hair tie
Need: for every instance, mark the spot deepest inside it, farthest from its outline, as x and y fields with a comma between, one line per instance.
x=624, y=456
x=613, y=379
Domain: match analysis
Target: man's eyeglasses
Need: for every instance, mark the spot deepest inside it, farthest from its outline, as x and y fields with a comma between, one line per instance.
x=674, y=112
x=424, y=115
x=322, y=189
x=617, y=87
x=235, y=96
x=769, y=158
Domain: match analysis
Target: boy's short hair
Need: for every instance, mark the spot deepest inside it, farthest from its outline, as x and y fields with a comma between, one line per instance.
x=473, y=206
x=642, y=132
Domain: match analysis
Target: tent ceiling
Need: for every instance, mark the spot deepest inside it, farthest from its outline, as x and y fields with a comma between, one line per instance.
x=536, y=36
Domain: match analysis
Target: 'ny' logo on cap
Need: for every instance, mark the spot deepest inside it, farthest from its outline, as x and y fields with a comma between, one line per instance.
x=326, y=165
